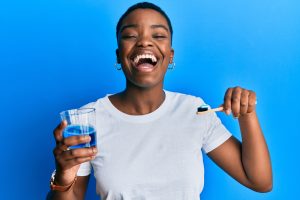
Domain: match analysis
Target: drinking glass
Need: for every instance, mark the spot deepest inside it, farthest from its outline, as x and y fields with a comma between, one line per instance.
x=80, y=122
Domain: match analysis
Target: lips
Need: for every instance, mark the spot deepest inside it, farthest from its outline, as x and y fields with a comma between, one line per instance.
x=144, y=61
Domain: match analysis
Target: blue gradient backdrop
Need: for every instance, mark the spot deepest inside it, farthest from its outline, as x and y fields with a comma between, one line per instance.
x=60, y=54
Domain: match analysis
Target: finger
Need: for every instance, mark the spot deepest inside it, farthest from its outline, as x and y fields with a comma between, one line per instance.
x=58, y=131
x=62, y=147
x=70, y=141
x=236, y=101
x=252, y=102
x=64, y=164
x=59, y=149
x=80, y=153
x=75, y=140
x=63, y=159
x=244, y=102
x=227, y=101
x=77, y=161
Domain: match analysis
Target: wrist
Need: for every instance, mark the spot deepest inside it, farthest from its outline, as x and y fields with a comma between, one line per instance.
x=59, y=184
x=62, y=178
x=248, y=116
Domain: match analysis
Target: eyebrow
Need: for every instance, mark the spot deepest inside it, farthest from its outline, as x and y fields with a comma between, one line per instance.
x=128, y=26
x=160, y=26
x=154, y=26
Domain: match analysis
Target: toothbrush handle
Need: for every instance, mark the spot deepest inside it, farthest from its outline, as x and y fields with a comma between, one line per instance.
x=211, y=110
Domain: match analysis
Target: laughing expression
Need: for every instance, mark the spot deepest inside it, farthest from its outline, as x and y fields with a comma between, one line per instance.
x=145, y=50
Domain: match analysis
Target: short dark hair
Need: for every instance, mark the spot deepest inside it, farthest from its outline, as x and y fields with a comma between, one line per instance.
x=144, y=5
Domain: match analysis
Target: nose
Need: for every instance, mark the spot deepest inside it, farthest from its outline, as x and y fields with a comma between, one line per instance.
x=144, y=41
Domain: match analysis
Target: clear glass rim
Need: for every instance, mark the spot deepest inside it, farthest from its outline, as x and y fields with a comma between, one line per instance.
x=78, y=111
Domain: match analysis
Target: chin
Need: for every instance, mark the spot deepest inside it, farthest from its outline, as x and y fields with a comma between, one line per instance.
x=145, y=83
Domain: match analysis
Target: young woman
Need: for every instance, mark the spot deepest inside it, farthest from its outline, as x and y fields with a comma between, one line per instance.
x=149, y=139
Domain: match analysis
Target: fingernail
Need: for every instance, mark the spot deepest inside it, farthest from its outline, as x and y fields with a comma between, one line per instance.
x=64, y=122
x=236, y=116
x=94, y=150
x=228, y=111
x=87, y=137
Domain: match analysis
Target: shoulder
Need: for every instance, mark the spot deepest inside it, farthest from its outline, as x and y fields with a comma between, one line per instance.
x=97, y=104
x=181, y=98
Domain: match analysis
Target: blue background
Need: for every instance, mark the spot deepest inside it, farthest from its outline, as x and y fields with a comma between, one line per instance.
x=60, y=54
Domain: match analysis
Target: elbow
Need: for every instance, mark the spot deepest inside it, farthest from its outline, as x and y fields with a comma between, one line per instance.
x=263, y=188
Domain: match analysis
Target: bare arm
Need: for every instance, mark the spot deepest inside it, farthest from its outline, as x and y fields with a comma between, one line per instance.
x=68, y=163
x=76, y=193
x=247, y=162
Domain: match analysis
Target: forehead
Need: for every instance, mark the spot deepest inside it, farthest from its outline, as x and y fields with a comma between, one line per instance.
x=145, y=16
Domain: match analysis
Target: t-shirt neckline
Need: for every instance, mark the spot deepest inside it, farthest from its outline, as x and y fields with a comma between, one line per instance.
x=137, y=118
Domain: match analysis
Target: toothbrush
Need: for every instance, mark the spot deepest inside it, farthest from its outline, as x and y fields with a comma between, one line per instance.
x=205, y=109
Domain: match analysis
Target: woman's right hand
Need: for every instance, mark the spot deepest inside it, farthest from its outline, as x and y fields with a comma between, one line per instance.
x=68, y=160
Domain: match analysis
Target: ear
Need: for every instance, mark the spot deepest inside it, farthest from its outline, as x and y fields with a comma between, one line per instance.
x=171, y=56
x=118, y=56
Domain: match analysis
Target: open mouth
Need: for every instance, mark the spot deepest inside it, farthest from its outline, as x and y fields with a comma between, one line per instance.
x=144, y=62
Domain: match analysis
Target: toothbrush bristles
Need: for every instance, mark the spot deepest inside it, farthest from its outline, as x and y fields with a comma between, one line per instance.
x=203, y=108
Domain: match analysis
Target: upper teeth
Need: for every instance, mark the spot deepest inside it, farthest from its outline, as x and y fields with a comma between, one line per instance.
x=138, y=57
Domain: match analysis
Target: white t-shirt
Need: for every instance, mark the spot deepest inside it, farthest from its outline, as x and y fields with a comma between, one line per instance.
x=156, y=156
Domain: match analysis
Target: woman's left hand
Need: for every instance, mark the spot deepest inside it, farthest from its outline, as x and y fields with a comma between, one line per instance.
x=239, y=101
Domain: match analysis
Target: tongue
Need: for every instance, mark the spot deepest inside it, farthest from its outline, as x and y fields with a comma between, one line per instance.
x=145, y=66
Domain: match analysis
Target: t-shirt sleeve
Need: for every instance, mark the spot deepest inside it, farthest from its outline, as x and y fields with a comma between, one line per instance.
x=84, y=169
x=216, y=133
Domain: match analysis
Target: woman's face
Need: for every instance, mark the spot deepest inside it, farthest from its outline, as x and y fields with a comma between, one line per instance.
x=144, y=47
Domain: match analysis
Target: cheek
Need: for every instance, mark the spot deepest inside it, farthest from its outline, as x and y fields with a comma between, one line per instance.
x=165, y=49
x=167, y=58
x=124, y=48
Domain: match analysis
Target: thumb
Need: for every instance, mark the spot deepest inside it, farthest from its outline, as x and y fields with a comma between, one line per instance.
x=58, y=131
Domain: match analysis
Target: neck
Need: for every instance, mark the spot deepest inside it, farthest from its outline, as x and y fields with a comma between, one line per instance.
x=138, y=101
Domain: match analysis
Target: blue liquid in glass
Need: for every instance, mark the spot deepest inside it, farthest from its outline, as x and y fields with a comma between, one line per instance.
x=77, y=130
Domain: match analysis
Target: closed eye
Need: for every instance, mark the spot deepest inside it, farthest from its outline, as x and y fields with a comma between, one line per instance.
x=159, y=36
x=129, y=37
